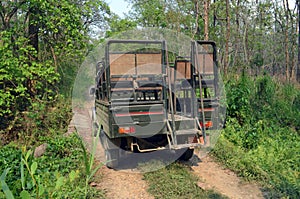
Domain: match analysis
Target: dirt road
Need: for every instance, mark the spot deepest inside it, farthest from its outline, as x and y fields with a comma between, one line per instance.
x=125, y=184
x=213, y=176
x=116, y=184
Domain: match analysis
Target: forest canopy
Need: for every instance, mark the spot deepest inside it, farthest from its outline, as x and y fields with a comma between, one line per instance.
x=41, y=41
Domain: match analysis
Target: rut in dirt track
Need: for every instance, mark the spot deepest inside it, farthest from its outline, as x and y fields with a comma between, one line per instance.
x=116, y=184
x=213, y=176
x=126, y=184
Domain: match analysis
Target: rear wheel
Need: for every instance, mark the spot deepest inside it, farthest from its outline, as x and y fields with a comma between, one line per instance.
x=94, y=129
x=95, y=126
x=112, y=158
x=188, y=154
x=111, y=153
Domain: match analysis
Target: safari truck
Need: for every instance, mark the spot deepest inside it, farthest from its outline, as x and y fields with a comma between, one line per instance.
x=143, y=103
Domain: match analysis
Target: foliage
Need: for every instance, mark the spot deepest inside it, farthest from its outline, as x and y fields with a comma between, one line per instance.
x=90, y=171
x=21, y=78
x=57, y=174
x=4, y=186
x=43, y=120
x=265, y=145
x=41, y=44
x=175, y=181
x=175, y=15
x=261, y=36
x=118, y=25
x=238, y=97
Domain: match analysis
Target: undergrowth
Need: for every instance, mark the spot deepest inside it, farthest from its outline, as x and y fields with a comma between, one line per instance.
x=261, y=140
x=176, y=181
x=56, y=174
x=63, y=171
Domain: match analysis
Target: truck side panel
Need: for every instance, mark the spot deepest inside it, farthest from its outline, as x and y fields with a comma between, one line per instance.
x=103, y=115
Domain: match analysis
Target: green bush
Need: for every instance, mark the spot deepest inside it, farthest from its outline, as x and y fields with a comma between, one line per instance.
x=10, y=158
x=261, y=139
x=238, y=96
x=63, y=154
x=56, y=174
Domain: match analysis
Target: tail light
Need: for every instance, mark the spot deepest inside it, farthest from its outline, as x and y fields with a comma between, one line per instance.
x=126, y=129
x=208, y=124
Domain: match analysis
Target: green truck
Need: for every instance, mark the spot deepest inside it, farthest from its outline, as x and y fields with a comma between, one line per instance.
x=143, y=103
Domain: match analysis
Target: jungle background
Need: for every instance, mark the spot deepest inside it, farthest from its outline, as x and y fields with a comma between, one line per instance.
x=43, y=43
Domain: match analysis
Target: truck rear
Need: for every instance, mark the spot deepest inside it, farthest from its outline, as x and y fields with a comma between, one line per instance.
x=143, y=104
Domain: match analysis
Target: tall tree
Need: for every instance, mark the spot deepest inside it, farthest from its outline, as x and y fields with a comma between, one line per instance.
x=298, y=63
x=36, y=38
x=286, y=39
x=227, y=37
x=206, y=19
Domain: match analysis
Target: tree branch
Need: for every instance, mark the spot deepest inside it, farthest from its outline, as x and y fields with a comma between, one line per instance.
x=8, y=17
x=2, y=13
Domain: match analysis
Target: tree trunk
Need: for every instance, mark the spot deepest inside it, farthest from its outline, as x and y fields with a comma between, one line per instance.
x=237, y=42
x=227, y=38
x=245, y=41
x=33, y=31
x=286, y=41
x=206, y=19
x=298, y=63
x=196, y=18
x=215, y=16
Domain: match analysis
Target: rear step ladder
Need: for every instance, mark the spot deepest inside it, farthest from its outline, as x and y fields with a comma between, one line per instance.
x=197, y=66
x=174, y=131
x=171, y=127
x=204, y=61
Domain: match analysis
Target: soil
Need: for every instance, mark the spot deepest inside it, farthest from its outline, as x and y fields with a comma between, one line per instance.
x=124, y=184
x=213, y=176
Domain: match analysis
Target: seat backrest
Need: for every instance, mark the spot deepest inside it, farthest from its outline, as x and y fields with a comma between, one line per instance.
x=183, y=69
x=125, y=64
x=206, y=63
x=122, y=64
x=149, y=64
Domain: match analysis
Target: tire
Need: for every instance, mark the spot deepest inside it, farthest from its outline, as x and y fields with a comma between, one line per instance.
x=102, y=138
x=188, y=154
x=112, y=158
x=111, y=154
x=95, y=126
x=94, y=129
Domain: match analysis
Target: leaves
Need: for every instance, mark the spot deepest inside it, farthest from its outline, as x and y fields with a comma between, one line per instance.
x=25, y=195
x=4, y=186
x=33, y=167
x=29, y=74
x=60, y=182
x=265, y=144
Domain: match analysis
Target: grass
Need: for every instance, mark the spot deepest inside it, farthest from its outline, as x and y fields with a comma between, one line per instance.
x=56, y=174
x=175, y=181
x=261, y=140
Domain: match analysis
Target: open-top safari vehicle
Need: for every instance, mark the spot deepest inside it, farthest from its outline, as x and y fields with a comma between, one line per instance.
x=143, y=103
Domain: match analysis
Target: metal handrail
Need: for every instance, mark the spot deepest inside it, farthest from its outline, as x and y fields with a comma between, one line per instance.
x=173, y=133
x=200, y=93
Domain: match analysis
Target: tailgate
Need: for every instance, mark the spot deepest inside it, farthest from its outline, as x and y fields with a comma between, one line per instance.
x=138, y=120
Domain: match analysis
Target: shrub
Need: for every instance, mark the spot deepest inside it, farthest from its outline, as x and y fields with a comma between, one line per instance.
x=56, y=174
x=261, y=139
